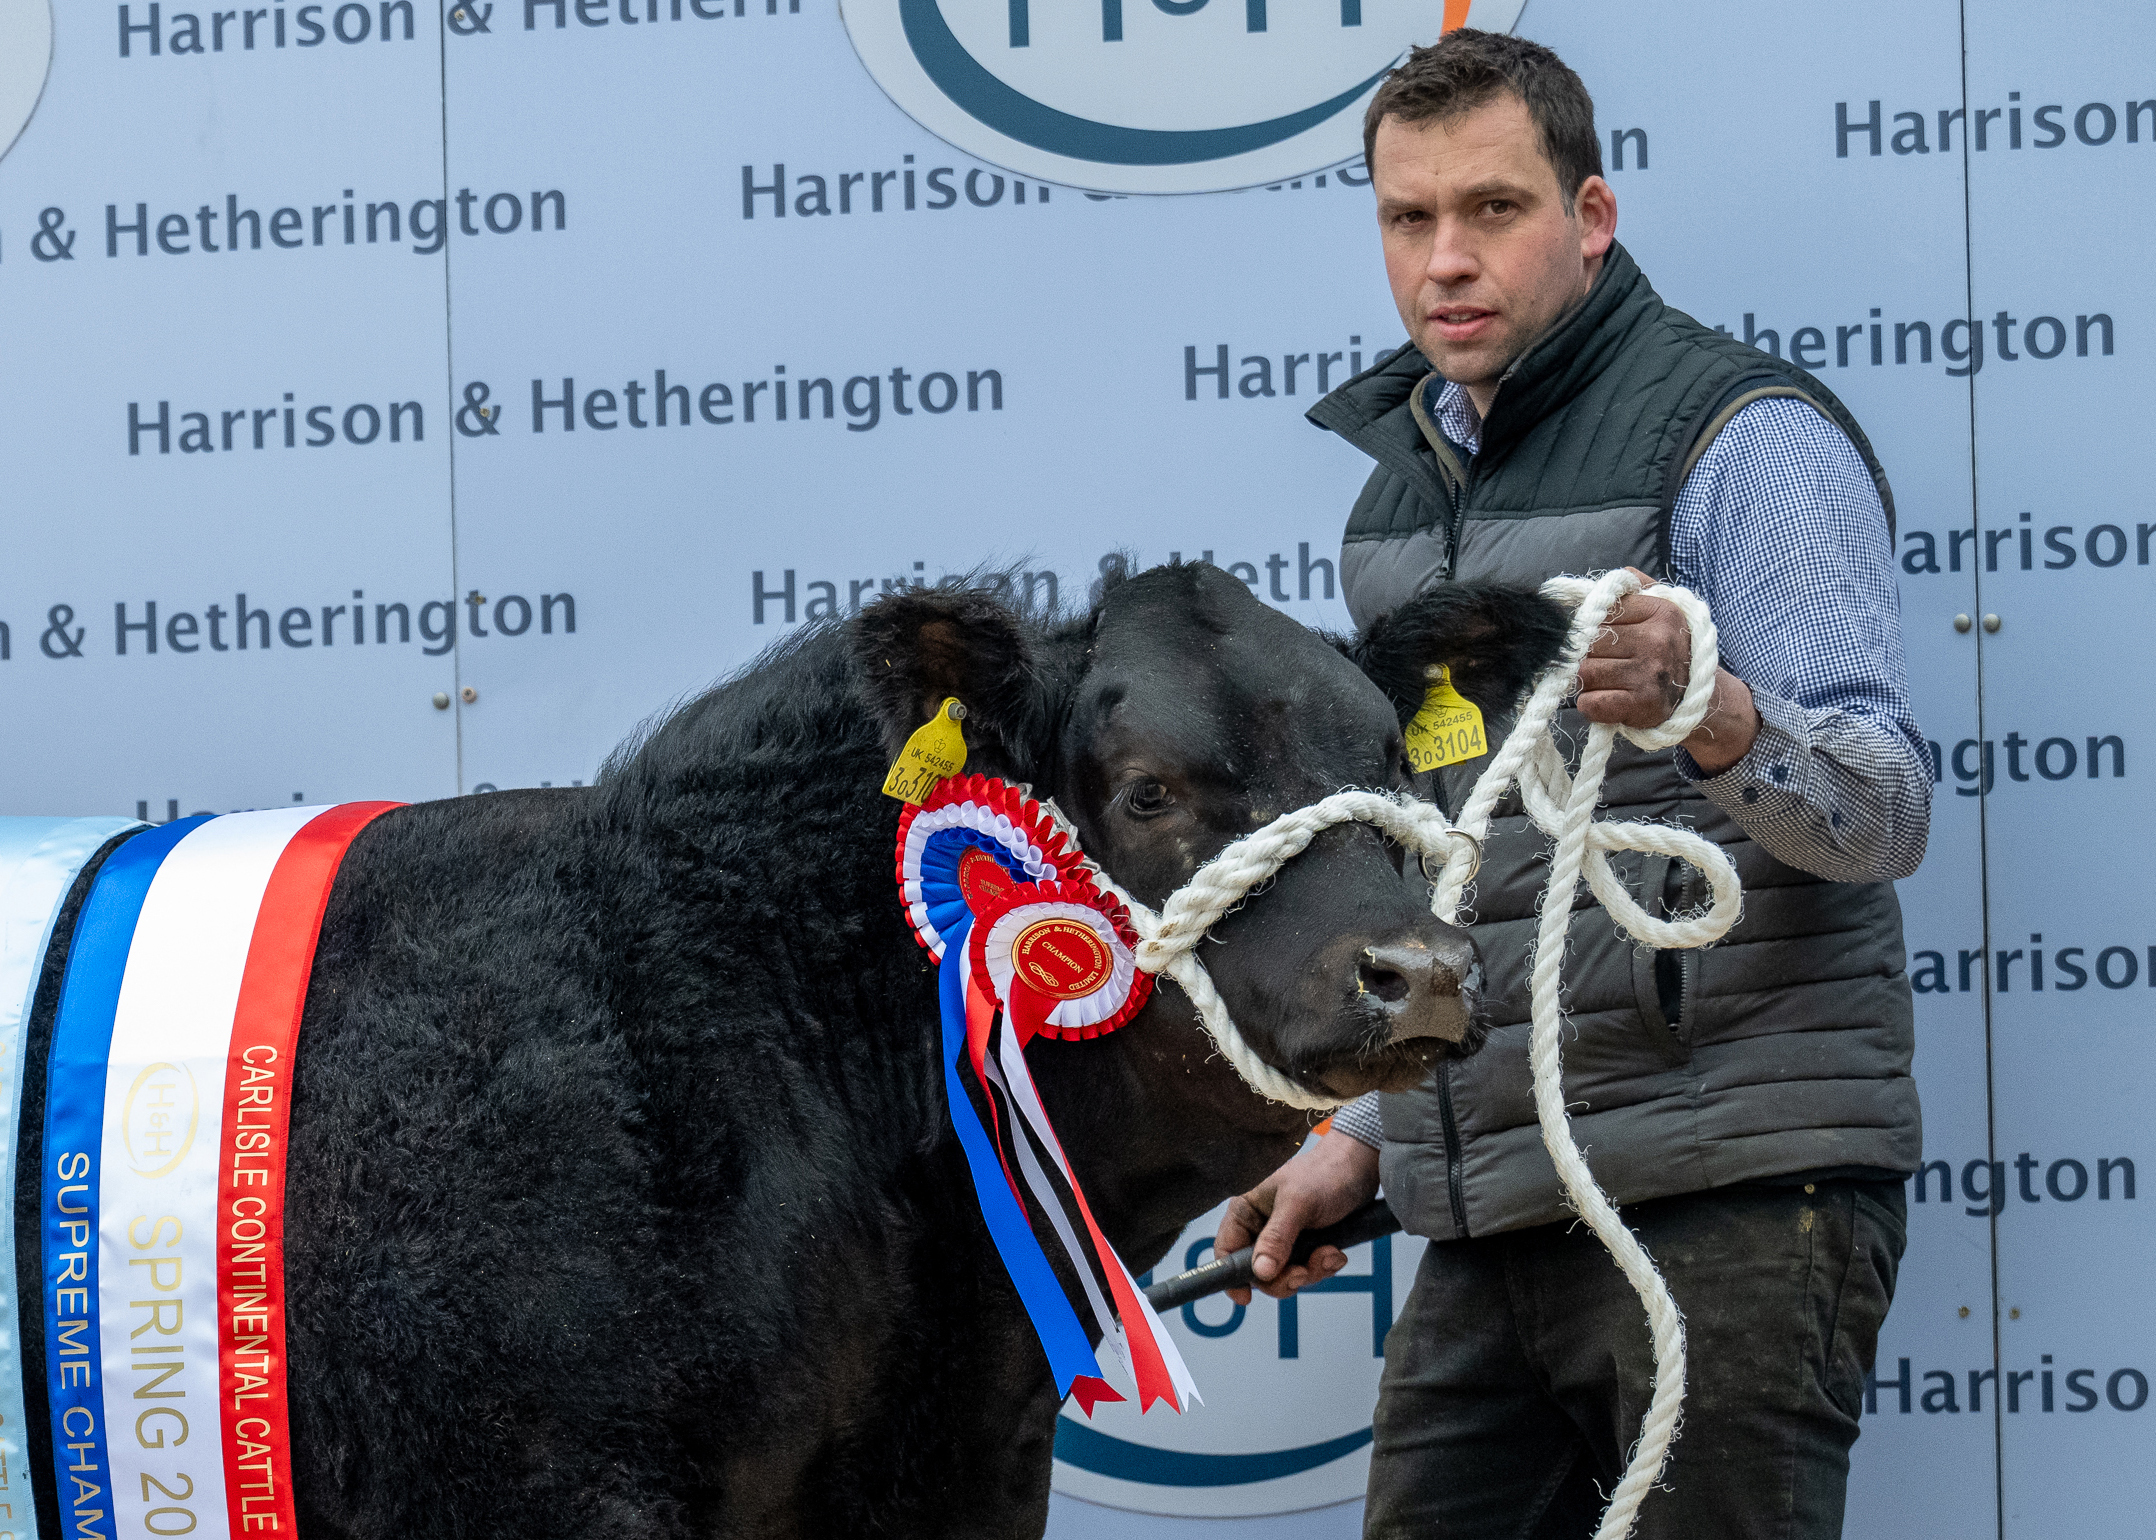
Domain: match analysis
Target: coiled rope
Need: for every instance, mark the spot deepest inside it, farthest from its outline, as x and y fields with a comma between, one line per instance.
x=1562, y=805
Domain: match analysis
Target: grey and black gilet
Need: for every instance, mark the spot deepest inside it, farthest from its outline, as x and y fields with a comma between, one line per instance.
x=1784, y=1050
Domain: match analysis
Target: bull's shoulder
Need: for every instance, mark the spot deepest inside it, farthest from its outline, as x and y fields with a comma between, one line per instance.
x=506, y=824
x=461, y=918
x=457, y=857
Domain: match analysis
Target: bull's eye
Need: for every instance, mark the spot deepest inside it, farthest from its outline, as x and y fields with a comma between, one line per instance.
x=1146, y=799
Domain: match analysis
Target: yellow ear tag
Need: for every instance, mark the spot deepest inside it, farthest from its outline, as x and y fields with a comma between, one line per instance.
x=1446, y=730
x=936, y=750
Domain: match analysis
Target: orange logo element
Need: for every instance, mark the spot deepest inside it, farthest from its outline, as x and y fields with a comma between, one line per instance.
x=1455, y=14
x=1061, y=958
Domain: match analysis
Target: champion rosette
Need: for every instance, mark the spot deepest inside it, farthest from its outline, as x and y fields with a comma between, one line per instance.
x=1060, y=955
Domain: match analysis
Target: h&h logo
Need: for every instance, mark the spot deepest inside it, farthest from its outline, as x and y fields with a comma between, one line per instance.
x=1148, y=96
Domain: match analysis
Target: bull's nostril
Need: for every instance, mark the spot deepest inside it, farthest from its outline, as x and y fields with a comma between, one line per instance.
x=1388, y=984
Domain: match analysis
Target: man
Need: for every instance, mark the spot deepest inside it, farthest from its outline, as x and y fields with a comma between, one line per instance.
x=1749, y=1106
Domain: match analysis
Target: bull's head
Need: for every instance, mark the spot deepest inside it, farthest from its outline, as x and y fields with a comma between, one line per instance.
x=1181, y=714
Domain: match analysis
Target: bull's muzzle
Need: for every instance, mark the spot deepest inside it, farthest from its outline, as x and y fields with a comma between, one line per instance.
x=1418, y=990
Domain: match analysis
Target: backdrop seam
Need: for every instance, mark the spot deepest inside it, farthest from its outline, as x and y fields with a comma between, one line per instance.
x=449, y=369
x=1983, y=811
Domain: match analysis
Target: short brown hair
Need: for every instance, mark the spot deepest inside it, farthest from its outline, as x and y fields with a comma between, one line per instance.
x=1465, y=69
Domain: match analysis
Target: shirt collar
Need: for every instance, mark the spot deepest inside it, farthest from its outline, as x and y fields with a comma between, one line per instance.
x=1455, y=415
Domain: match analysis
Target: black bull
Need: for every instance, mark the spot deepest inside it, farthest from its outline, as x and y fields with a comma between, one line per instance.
x=623, y=1200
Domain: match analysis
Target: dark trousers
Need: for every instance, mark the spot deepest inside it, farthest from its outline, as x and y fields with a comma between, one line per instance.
x=1517, y=1376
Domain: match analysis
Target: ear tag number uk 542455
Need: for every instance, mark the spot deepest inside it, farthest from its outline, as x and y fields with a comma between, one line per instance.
x=1446, y=730
x=936, y=750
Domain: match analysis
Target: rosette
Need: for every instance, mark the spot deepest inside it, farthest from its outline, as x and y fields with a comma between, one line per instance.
x=1060, y=956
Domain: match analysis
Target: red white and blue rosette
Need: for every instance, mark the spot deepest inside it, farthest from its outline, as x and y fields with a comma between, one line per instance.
x=973, y=839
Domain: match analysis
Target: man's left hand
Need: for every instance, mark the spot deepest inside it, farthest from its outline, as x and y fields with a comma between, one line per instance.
x=1635, y=676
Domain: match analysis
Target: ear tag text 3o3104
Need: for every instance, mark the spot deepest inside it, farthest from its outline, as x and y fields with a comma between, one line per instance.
x=936, y=751
x=1446, y=730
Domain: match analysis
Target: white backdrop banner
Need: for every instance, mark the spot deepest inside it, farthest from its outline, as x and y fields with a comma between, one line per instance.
x=404, y=399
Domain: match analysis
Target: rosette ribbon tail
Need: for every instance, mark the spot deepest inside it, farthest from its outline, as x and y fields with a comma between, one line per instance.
x=980, y=1022
x=1070, y=1355
x=1043, y=1184
x=1091, y=1392
x=1134, y=1329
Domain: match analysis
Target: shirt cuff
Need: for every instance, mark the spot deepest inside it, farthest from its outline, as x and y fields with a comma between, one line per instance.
x=1765, y=784
x=1361, y=1121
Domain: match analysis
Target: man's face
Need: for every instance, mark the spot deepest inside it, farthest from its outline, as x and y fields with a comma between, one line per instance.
x=1480, y=252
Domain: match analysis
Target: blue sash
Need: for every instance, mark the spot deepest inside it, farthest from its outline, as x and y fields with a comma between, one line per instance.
x=74, y=1137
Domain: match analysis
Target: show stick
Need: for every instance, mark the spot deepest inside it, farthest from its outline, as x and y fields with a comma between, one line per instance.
x=1232, y=1271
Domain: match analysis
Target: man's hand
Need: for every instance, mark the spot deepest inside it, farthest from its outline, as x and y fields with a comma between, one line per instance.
x=1635, y=676
x=1321, y=1186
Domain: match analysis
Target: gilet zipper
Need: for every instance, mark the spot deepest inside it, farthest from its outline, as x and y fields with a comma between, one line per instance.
x=1466, y=491
x=1459, y=522
x=1687, y=962
x=1454, y=1177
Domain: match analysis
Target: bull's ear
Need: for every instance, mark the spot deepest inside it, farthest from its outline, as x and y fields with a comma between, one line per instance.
x=914, y=649
x=1494, y=639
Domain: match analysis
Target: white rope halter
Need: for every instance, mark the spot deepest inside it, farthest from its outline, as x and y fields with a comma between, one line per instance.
x=1561, y=805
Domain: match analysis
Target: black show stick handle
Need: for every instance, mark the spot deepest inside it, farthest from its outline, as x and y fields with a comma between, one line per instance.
x=1367, y=1223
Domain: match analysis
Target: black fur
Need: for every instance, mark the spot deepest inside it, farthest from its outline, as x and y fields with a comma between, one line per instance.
x=1494, y=639
x=912, y=650
x=619, y=1200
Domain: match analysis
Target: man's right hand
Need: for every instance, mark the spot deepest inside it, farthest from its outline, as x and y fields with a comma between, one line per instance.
x=1321, y=1186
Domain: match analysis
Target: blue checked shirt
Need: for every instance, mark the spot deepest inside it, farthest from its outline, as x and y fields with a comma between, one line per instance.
x=1781, y=531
